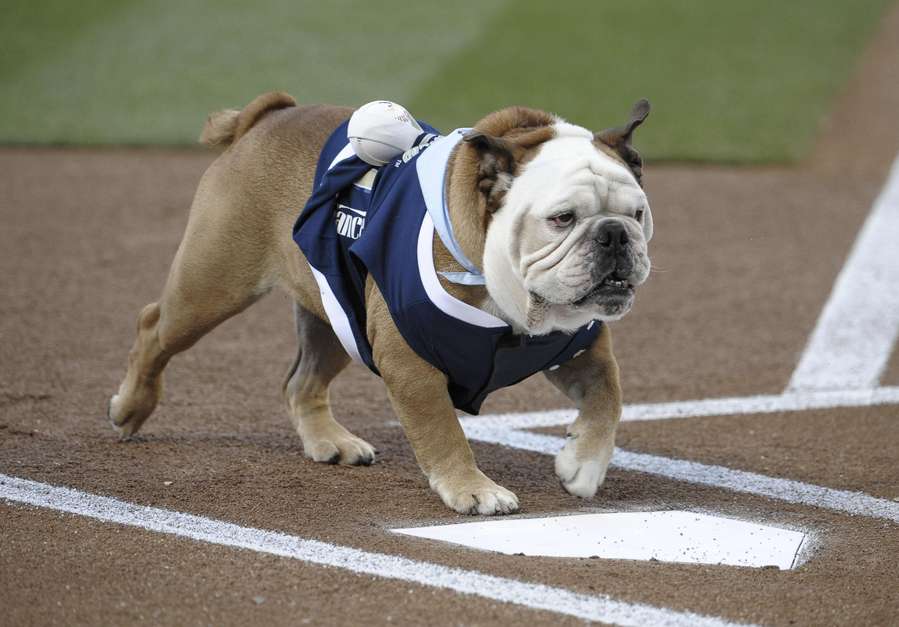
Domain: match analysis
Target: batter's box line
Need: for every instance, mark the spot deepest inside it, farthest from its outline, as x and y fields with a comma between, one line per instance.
x=535, y=596
x=509, y=430
x=788, y=490
x=791, y=401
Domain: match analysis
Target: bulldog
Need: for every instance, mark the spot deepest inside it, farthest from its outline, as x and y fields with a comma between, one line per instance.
x=549, y=218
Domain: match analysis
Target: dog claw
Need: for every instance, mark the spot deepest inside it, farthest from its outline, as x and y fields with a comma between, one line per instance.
x=348, y=450
x=484, y=498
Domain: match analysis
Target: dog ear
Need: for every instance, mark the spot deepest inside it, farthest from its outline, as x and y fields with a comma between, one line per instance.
x=619, y=139
x=496, y=163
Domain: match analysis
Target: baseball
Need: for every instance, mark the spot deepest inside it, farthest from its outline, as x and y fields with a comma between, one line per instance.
x=381, y=130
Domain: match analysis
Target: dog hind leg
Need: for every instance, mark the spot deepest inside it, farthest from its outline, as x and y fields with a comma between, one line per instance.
x=163, y=329
x=220, y=269
x=320, y=358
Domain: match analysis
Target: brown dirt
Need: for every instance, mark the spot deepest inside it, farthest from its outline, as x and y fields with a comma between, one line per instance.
x=746, y=259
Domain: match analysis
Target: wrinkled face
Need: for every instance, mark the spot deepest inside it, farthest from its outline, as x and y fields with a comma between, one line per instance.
x=568, y=244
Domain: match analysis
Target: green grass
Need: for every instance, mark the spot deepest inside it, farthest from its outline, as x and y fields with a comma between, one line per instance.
x=729, y=81
x=143, y=71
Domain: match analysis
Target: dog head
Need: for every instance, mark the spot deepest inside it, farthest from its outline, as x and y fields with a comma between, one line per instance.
x=566, y=219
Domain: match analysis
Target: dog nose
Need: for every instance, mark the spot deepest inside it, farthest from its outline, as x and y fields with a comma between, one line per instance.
x=612, y=234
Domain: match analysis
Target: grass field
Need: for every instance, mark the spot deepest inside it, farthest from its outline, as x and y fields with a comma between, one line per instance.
x=736, y=82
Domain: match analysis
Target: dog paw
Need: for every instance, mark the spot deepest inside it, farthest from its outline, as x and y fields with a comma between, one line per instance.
x=123, y=421
x=581, y=477
x=339, y=448
x=475, y=494
x=131, y=405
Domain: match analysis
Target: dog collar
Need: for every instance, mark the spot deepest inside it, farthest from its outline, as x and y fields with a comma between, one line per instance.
x=431, y=169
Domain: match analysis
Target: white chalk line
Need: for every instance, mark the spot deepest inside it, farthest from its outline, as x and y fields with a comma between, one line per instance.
x=854, y=337
x=797, y=492
x=599, y=608
x=728, y=406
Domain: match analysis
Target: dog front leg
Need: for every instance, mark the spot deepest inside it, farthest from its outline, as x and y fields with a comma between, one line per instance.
x=591, y=381
x=420, y=398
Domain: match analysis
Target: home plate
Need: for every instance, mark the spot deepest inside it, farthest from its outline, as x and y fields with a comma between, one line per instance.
x=664, y=536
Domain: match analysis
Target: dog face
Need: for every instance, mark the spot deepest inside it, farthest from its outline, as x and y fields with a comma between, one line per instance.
x=568, y=243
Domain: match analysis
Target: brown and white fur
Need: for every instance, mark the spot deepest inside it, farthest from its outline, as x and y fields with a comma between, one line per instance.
x=510, y=186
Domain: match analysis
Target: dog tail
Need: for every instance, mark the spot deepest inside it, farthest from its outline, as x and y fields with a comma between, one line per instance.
x=224, y=128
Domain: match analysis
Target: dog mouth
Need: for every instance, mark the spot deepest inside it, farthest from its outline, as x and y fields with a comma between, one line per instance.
x=610, y=288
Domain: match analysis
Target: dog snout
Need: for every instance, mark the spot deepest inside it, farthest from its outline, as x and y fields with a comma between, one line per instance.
x=615, y=251
x=612, y=235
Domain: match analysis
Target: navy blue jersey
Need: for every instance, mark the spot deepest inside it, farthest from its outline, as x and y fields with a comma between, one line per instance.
x=381, y=222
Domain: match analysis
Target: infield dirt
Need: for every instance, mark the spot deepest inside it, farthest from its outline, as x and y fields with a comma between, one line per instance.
x=745, y=260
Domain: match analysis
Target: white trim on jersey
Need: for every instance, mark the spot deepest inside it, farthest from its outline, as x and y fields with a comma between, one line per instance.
x=337, y=316
x=367, y=180
x=431, y=170
x=442, y=299
x=345, y=153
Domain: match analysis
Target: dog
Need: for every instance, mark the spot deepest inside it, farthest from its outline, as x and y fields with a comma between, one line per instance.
x=554, y=214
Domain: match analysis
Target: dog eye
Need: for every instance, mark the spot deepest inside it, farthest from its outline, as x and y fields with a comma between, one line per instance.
x=639, y=215
x=563, y=219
